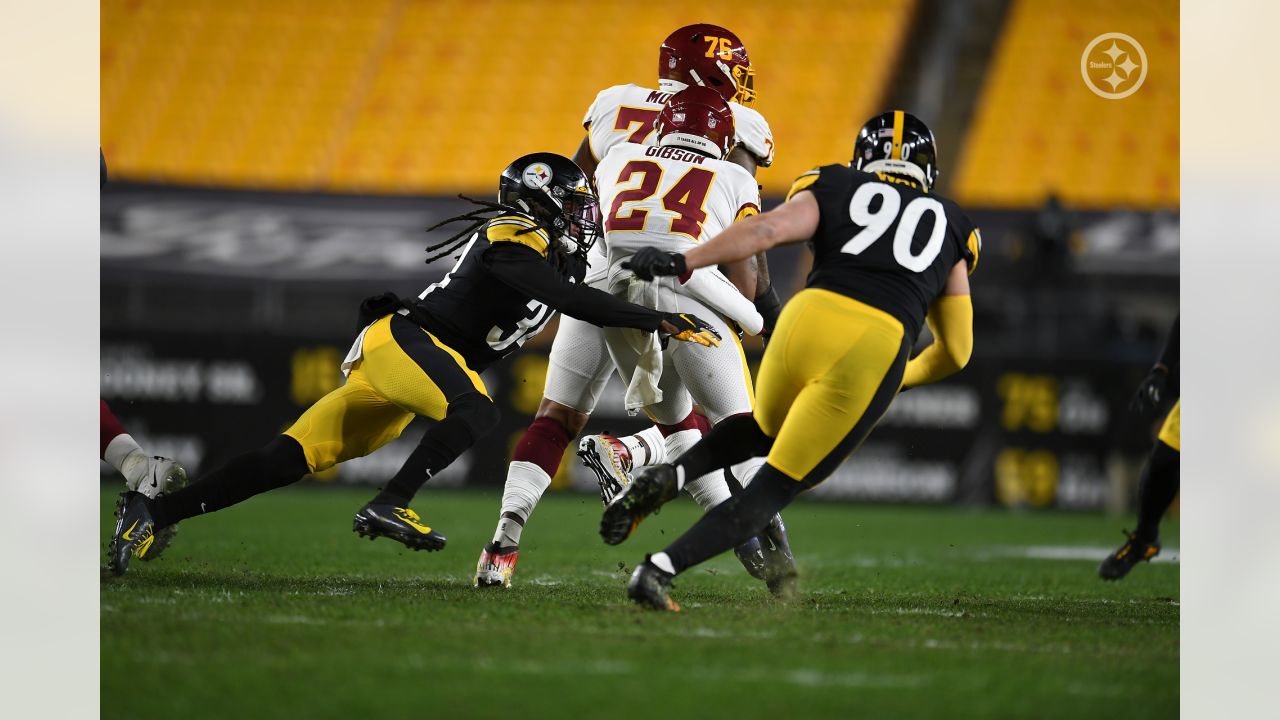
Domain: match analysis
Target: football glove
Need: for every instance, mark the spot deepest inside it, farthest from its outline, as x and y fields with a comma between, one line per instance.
x=686, y=327
x=769, y=305
x=649, y=263
x=1150, y=392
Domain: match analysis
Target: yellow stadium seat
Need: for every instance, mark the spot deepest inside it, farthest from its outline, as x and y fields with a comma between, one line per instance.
x=437, y=96
x=1038, y=129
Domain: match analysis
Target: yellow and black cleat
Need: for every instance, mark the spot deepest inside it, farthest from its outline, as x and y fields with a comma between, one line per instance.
x=135, y=532
x=397, y=523
x=652, y=487
x=650, y=587
x=1133, y=551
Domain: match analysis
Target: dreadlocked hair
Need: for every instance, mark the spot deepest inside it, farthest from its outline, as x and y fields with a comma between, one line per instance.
x=475, y=219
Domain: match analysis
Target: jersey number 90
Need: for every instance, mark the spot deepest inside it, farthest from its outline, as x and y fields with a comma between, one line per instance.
x=875, y=223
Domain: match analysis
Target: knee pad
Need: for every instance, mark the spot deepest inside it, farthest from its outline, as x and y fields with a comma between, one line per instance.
x=475, y=411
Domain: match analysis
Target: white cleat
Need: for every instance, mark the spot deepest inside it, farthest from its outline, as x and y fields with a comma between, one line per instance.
x=610, y=461
x=496, y=566
x=163, y=475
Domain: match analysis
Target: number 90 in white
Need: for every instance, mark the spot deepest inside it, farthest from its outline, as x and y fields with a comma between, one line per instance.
x=874, y=224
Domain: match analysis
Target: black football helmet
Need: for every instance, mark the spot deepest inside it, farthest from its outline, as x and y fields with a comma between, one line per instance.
x=897, y=143
x=553, y=191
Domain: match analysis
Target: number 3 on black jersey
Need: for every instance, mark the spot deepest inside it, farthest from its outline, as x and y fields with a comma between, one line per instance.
x=875, y=223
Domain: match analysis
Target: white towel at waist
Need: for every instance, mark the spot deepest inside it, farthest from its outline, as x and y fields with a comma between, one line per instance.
x=643, y=390
x=357, y=347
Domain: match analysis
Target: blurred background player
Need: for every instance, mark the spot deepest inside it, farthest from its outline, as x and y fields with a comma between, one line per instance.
x=695, y=55
x=674, y=197
x=1161, y=475
x=887, y=256
x=150, y=475
x=522, y=260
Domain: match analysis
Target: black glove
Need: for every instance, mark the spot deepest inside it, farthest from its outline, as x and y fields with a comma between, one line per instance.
x=1147, y=400
x=651, y=262
x=686, y=327
x=769, y=305
x=375, y=307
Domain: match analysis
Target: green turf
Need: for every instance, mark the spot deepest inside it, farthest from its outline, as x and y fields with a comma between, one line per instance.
x=276, y=609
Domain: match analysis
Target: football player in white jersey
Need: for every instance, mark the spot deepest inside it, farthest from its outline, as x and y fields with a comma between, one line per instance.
x=701, y=55
x=673, y=197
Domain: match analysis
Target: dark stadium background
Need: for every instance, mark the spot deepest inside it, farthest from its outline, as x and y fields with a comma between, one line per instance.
x=273, y=163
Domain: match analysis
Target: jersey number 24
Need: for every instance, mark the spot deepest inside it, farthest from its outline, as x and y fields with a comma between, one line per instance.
x=874, y=224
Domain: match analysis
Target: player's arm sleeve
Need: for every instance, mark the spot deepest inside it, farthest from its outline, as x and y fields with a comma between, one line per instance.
x=525, y=270
x=805, y=182
x=753, y=133
x=951, y=320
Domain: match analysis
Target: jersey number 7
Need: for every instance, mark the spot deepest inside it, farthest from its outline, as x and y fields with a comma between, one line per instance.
x=686, y=199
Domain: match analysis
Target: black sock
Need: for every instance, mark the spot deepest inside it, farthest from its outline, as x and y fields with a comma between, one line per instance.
x=276, y=464
x=731, y=441
x=466, y=420
x=1156, y=490
x=735, y=520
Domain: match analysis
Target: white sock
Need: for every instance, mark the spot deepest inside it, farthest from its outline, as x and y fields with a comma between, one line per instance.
x=746, y=470
x=677, y=443
x=525, y=484
x=124, y=454
x=647, y=447
x=709, y=490
x=662, y=562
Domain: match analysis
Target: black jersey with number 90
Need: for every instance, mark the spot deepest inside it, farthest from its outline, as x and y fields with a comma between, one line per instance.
x=884, y=241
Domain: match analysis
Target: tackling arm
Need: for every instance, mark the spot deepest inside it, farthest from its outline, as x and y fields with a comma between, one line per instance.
x=950, y=319
x=791, y=222
x=525, y=270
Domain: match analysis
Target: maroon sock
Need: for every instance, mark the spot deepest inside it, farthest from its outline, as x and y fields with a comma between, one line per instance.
x=692, y=421
x=110, y=429
x=543, y=444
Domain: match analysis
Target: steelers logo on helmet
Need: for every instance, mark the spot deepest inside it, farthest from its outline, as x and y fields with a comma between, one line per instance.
x=536, y=176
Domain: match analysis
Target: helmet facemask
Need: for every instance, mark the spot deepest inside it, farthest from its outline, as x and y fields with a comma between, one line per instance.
x=580, y=217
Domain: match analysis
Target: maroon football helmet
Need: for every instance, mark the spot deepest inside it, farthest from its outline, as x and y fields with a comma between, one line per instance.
x=709, y=56
x=697, y=118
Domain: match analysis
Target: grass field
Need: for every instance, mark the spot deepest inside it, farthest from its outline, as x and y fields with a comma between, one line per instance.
x=276, y=609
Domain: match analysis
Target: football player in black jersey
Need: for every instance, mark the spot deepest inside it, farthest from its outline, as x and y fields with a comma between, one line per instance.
x=1161, y=476
x=522, y=259
x=888, y=256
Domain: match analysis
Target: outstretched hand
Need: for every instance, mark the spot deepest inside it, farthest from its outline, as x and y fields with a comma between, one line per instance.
x=649, y=263
x=1150, y=392
x=690, y=328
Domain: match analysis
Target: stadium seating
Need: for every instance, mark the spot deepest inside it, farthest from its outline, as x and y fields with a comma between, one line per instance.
x=405, y=96
x=1037, y=129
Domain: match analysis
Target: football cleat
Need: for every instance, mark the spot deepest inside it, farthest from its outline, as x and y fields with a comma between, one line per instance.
x=496, y=566
x=1133, y=551
x=398, y=523
x=610, y=461
x=163, y=476
x=751, y=556
x=653, y=487
x=135, y=532
x=780, y=564
x=651, y=587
